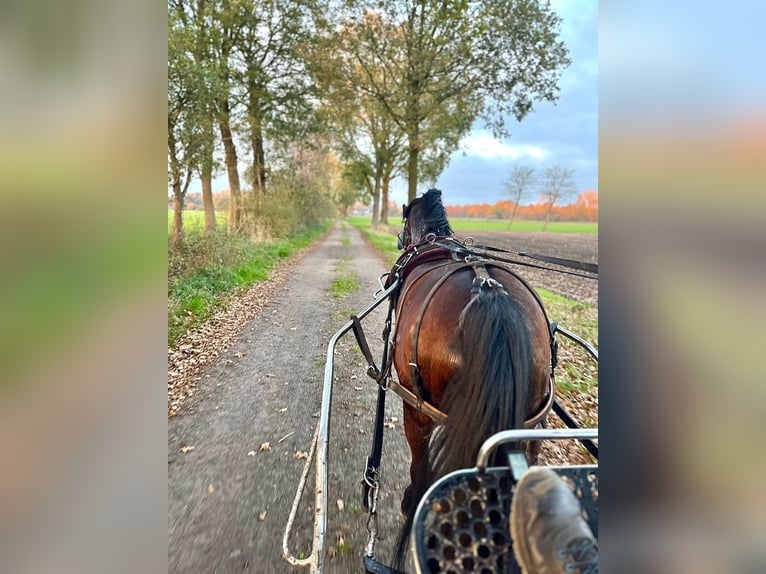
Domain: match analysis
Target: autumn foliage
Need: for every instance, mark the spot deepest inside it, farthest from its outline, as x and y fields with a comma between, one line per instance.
x=584, y=208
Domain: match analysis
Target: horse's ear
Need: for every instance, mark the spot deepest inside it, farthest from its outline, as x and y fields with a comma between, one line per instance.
x=404, y=210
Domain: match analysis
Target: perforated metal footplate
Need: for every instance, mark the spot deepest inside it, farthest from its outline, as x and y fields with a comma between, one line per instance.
x=461, y=525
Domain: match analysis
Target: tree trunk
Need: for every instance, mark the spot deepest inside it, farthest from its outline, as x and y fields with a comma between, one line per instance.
x=259, y=169
x=376, y=201
x=547, y=216
x=256, y=135
x=384, y=201
x=178, y=215
x=412, y=171
x=387, y=171
x=207, y=199
x=413, y=141
x=513, y=215
x=230, y=152
x=206, y=177
x=178, y=192
x=376, y=194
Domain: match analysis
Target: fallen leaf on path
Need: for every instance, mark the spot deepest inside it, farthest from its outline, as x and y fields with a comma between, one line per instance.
x=251, y=453
x=282, y=410
x=239, y=355
x=341, y=504
x=265, y=446
x=394, y=419
x=301, y=454
x=185, y=449
x=358, y=388
x=262, y=515
x=210, y=489
x=388, y=425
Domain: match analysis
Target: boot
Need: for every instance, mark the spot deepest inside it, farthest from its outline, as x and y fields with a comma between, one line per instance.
x=549, y=533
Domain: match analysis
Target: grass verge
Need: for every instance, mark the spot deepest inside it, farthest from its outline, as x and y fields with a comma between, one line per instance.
x=576, y=371
x=208, y=269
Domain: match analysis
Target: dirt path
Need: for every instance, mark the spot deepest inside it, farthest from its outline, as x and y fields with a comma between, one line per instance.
x=228, y=500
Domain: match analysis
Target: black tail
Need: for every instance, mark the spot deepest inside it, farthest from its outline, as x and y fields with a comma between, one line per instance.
x=488, y=393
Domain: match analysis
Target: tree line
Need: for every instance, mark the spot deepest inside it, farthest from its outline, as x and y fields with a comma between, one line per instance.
x=310, y=105
x=584, y=208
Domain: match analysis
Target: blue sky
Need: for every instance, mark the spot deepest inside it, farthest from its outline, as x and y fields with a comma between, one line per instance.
x=566, y=132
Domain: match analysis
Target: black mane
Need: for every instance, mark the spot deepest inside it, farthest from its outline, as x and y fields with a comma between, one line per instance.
x=432, y=217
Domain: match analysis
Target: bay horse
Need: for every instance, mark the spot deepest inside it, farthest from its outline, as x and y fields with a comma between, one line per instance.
x=472, y=340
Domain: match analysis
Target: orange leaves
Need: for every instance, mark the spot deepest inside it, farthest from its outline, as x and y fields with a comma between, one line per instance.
x=584, y=208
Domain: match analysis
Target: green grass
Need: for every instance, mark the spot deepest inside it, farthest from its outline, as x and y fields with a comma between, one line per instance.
x=576, y=371
x=194, y=221
x=342, y=286
x=345, y=281
x=344, y=547
x=206, y=271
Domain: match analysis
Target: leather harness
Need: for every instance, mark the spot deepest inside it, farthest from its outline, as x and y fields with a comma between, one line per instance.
x=452, y=255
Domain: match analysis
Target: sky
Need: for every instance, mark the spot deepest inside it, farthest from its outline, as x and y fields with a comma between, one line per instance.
x=565, y=132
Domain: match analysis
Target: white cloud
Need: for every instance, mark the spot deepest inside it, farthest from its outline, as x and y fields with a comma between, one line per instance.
x=483, y=145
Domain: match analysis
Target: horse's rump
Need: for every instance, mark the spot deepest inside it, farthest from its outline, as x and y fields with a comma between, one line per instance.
x=435, y=323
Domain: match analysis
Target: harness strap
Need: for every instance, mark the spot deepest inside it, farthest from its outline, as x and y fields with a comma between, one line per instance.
x=440, y=417
x=416, y=399
x=415, y=402
x=571, y=263
x=414, y=370
x=361, y=340
x=370, y=478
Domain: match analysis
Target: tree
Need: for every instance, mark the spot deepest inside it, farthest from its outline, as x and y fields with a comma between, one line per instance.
x=193, y=18
x=365, y=131
x=184, y=136
x=557, y=183
x=586, y=205
x=445, y=64
x=305, y=177
x=353, y=187
x=270, y=73
x=223, y=19
x=518, y=185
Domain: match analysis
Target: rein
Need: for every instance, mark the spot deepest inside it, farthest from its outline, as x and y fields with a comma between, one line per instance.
x=470, y=248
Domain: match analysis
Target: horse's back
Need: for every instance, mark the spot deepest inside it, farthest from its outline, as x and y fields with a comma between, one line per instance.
x=430, y=307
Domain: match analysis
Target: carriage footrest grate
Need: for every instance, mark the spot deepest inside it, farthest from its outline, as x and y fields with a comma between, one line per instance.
x=461, y=525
